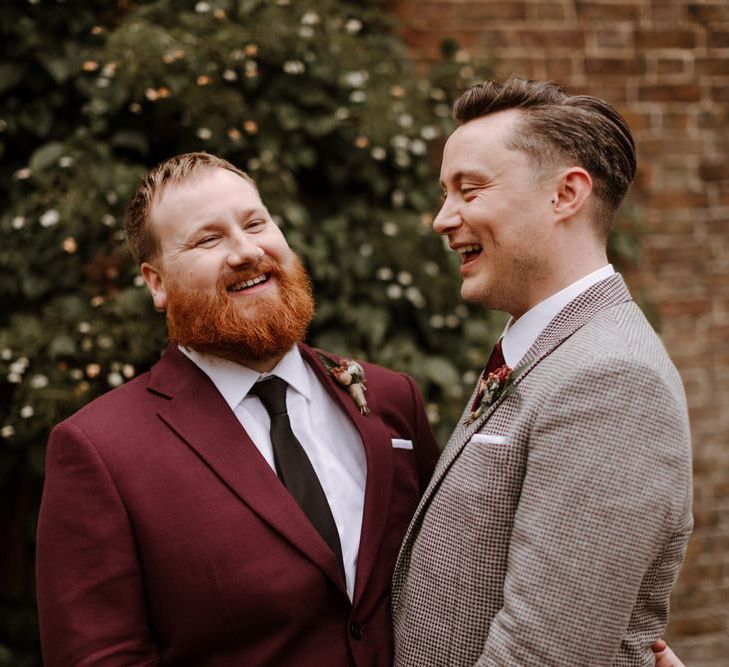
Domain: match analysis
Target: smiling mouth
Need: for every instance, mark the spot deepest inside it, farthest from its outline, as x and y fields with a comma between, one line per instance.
x=469, y=252
x=247, y=284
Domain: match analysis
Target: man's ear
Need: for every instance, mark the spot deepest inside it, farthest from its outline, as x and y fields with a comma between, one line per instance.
x=573, y=189
x=155, y=284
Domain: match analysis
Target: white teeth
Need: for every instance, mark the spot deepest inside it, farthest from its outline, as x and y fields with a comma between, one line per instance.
x=249, y=283
x=469, y=248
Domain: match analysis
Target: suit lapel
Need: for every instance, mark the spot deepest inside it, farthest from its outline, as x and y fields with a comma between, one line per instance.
x=198, y=414
x=376, y=440
x=607, y=293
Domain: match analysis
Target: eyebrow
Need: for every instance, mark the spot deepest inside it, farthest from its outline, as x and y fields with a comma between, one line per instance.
x=466, y=174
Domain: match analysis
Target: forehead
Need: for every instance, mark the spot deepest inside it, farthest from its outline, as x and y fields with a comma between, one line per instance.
x=207, y=193
x=480, y=144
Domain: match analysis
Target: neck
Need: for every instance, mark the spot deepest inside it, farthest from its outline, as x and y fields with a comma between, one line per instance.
x=564, y=274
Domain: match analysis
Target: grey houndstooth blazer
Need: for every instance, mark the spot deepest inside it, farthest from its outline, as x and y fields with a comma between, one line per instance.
x=555, y=525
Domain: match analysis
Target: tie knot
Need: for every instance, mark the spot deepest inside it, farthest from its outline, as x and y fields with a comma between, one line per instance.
x=272, y=393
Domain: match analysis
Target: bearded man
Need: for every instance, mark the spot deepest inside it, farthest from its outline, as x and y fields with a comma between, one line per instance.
x=241, y=503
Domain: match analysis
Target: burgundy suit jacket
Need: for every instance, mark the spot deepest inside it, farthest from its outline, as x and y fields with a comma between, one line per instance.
x=164, y=537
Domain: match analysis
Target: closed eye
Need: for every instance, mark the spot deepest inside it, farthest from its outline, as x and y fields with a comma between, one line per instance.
x=206, y=241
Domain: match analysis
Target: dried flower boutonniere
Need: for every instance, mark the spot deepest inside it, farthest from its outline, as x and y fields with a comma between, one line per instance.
x=494, y=385
x=351, y=376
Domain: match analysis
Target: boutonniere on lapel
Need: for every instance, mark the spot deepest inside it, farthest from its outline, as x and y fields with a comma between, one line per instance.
x=496, y=384
x=351, y=376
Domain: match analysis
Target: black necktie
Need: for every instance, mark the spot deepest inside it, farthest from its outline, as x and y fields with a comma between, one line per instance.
x=293, y=466
x=496, y=361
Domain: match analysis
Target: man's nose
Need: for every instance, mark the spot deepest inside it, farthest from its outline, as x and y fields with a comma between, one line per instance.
x=447, y=218
x=242, y=250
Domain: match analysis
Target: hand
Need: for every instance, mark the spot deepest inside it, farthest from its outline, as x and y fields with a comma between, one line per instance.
x=664, y=656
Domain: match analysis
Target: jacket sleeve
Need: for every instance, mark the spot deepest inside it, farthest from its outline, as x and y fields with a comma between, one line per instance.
x=602, y=520
x=89, y=581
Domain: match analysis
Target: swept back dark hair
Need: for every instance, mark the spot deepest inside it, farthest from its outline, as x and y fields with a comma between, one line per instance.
x=556, y=127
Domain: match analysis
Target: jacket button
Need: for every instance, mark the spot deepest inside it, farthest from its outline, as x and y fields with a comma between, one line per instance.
x=355, y=629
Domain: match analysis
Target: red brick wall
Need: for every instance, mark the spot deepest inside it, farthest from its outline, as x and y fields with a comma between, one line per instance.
x=665, y=65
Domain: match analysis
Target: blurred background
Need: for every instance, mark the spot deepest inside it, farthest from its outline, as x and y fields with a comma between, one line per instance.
x=339, y=110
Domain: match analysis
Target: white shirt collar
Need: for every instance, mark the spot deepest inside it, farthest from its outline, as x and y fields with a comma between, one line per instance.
x=520, y=335
x=234, y=381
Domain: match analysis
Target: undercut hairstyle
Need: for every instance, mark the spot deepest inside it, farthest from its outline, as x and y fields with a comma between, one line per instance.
x=557, y=128
x=143, y=242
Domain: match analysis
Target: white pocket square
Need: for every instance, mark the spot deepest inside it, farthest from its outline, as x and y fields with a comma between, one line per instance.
x=397, y=443
x=488, y=439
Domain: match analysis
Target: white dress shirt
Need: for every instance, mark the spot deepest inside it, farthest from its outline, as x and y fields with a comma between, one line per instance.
x=519, y=335
x=328, y=437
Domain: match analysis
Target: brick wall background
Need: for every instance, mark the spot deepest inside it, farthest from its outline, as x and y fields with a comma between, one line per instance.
x=665, y=65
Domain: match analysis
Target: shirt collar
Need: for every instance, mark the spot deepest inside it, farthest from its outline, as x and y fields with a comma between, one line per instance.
x=519, y=335
x=234, y=381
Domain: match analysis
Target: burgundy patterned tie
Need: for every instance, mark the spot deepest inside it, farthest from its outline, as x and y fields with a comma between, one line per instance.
x=496, y=361
x=293, y=465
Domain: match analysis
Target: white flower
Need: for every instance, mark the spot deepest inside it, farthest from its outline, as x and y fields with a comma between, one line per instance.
x=76, y=374
x=342, y=113
x=366, y=250
x=105, y=342
x=394, y=291
x=400, y=141
x=49, y=218
x=389, y=228
x=19, y=366
x=27, y=411
x=353, y=26
x=202, y=7
x=230, y=75
x=38, y=381
x=114, y=379
x=128, y=371
x=356, y=79
x=378, y=153
x=437, y=321
x=405, y=278
x=358, y=96
x=18, y=222
x=418, y=147
x=65, y=162
x=431, y=268
x=405, y=120
x=415, y=296
x=428, y=132
x=384, y=273
x=138, y=281
x=84, y=327
x=294, y=67
x=398, y=199
x=204, y=133
x=22, y=174
x=306, y=32
x=7, y=431
x=6, y=354
x=14, y=378
x=310, y=18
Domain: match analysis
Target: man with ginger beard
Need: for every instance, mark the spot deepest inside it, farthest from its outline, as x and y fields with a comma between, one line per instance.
x=240, y=503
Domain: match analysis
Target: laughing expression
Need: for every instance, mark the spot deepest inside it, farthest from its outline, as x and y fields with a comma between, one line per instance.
x=214, y=230
x=494, y=205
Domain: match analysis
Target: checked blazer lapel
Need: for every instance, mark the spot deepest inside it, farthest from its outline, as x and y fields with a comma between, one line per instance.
x=200, y=417
x=377, y=444
x=607, y=293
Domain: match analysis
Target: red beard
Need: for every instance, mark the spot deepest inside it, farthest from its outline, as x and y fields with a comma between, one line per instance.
x=212, y=323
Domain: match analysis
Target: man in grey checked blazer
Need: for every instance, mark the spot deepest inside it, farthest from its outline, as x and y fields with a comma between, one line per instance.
x=557, y=518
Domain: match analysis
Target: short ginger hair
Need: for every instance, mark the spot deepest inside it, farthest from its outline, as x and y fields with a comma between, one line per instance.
x=558, y=128
x=143, y=242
